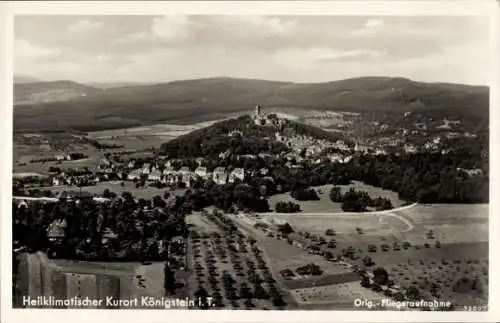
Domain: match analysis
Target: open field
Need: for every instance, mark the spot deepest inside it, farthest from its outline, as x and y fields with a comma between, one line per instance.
x=339, y=296
x=446, y=274
x=169, y=130
x=326, y=205
x=43, y=168
x=33, y=146
x=284, y=255
x=116, y=187
x=200, y=223
x=323, y=205
x=467, y=238
x=462, y=232
x=450, y=223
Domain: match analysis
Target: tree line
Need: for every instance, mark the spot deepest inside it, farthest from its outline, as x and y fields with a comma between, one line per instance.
x=358, y=201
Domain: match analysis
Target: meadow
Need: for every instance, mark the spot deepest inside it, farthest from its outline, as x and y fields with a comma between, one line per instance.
x=457, y=247
x=339, y=296
x=116, y=187
x=325, y=204
x=461, y=279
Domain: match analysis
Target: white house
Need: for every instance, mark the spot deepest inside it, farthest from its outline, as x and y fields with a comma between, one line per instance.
x=237, y=173
x=146, y=168
x=264, y=171
x=410, y=148
x=173, y=178
x=154, y=176
x=188, y=179
x=134, y=175
x=225, y=154
x=184, y=170
x=220, y=176
x=312, y=150
x=201, y=172
x=168, y=170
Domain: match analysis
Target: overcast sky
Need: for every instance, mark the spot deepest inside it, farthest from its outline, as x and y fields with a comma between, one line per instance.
x=289, y=48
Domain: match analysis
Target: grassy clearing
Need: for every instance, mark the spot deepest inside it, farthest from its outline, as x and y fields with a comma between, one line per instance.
x=413, y=255
x=284, y=255
x=445, y=273
x=334, y=296
x=43, y=168
x=450, y=223
x=143, y=192
x=428, y=214
x=36, y=146
x=201, y=224
x=325, y=205
x=340, y=223
x=410, y=225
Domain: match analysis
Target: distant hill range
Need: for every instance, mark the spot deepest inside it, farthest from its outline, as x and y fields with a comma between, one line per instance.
x=87, y=108
x=46, y=92
x=110, y=85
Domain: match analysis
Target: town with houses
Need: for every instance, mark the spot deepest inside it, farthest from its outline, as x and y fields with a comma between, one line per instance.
x=303, y=150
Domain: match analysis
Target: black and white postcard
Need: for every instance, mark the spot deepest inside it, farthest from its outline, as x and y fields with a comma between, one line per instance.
x=249, y=161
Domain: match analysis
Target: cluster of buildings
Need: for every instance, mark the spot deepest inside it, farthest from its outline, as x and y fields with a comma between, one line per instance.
x=170, y=176
x=262, y=119
x=310, y=145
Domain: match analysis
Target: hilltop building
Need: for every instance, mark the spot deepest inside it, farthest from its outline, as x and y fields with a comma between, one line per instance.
x=260, y=118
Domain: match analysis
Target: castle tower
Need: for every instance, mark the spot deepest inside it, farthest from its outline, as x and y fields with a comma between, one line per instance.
x=258, y=110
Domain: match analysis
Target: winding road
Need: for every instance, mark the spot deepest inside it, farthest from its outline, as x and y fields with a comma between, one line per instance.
x=390, y=213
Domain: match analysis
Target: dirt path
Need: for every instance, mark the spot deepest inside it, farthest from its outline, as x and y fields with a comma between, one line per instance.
x=322, y=214
x=391, y=213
